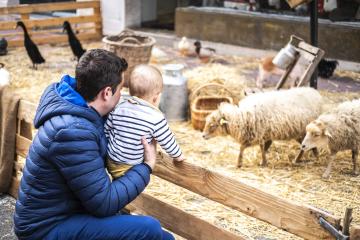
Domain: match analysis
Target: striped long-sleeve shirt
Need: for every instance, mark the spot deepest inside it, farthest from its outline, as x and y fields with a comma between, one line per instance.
x=128, y=122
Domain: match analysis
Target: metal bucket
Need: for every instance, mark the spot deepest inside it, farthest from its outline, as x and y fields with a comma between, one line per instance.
x=285, y=57
x=174, y=97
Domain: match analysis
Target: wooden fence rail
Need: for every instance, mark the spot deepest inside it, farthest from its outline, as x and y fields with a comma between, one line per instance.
x=48, y=30
x=299, y=219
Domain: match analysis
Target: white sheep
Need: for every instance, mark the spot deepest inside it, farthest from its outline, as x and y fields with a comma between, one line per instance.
x=337, y=130
x=263, y=117
x=4, y=76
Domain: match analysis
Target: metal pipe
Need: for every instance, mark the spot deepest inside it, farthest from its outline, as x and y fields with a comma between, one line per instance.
x=314, y=35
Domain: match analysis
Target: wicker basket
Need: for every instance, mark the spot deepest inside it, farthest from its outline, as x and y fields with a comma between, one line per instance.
x=135, y=48
x=202, y=106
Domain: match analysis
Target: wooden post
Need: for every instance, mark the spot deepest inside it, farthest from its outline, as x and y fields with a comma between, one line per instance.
x=98, y=26
x=347, y=221
x=314, y=35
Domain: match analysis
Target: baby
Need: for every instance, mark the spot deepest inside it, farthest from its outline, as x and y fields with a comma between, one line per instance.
x=137, y=116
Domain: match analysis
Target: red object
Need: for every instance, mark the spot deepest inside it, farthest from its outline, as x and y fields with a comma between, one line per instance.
x=320, y=6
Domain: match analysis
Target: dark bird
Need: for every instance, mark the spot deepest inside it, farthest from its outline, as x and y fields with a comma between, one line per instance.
x=31, y=48
x=326, y=68
x=3, y=46
x=75, y=44
x=203, y=53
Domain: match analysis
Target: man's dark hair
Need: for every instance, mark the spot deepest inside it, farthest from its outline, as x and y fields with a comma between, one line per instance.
x=97, y=69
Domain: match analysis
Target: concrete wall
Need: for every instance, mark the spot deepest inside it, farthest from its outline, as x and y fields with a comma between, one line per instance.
x=148, y=10
x=166, y=7
x=255, y=30
x=6, y=3
x=132, y=13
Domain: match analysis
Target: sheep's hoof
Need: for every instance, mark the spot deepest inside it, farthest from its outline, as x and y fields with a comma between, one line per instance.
x=326, y=175
x=239, y=165
x=295, y=163
x=355, y=173
x=263, y=164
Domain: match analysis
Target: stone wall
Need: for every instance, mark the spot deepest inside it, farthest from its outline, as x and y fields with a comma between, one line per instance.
x=266, y=31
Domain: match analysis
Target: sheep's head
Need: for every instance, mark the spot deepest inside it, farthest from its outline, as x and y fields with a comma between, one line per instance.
x=216, y=123
x=317, y=136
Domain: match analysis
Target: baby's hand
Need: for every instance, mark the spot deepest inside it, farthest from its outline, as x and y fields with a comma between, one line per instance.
x=179, y=159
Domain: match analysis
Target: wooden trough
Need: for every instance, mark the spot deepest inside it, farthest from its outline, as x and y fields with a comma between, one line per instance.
x=299, y=219
x=49, y=29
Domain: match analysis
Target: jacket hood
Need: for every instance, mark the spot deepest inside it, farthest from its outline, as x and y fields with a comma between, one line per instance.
x=62, y=99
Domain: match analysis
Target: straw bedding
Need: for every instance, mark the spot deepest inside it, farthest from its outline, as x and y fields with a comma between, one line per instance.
x=301, y=183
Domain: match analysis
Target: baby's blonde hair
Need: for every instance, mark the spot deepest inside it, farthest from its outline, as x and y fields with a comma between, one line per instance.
x=145, y=81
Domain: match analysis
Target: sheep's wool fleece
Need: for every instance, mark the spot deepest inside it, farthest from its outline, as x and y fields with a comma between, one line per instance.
x=343, y=124
x=273, y=115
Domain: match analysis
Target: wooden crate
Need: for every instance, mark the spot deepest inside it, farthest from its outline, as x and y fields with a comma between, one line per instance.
x=299, y=219
x=49, y=30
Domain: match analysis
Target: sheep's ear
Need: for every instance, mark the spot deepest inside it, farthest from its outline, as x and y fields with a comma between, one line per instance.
x=327, y=133
x=223, y=121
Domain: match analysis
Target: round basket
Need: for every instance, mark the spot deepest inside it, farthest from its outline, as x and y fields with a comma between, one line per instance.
x=202, y=106
x=135, y=48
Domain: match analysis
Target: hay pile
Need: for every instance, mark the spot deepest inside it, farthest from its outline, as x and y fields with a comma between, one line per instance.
x=233, y=77
x=349, y=74
x=302, y=183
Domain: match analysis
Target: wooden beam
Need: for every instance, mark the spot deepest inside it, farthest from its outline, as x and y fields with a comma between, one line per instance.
x=55, y=39
x=47, y=22
x=25, y=16
x=14, y=187
x=22, y=145
x=299, y=219
x=18, y=167
x=26, y=111
x=46, y=7
x=309, y=48
x=180, y=222
x=80, y=28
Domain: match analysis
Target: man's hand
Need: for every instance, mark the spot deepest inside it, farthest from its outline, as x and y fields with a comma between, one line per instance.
x=149, y=152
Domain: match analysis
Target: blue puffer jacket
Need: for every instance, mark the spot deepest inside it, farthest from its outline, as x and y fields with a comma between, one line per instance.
x=64, y=172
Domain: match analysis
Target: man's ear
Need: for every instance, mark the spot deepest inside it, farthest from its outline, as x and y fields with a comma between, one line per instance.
x=106, y=93
x=223, y=121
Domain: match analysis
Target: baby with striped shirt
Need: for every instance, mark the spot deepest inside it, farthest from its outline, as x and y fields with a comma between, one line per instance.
x=134, y=117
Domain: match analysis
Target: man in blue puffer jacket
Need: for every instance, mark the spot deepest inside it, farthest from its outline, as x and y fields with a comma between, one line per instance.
x=65, y=192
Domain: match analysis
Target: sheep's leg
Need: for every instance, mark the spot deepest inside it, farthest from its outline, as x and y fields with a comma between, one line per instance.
x=298, y=157
x=316, y=153
x=355, y=154
x=328, y=169
x=300, y=154
x=267, y=145
x=242, y=149
x=263, y=155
